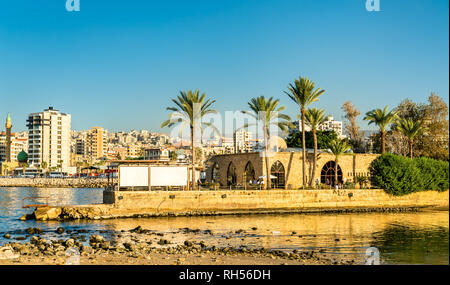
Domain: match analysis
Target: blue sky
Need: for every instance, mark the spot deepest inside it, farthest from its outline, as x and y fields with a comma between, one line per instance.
x=117, y=64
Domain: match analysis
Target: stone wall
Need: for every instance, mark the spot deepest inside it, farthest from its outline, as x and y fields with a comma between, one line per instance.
x=229, y=200
x=350, y=164
x=55, y=182
x=121, y=204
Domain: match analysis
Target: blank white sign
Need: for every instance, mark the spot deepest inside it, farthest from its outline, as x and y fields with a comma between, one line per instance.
x=133, y=176
x=168, y=176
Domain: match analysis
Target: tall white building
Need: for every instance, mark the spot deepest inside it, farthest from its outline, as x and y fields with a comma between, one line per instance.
x=241, y=141
x=49, y=138
x=329, y=125
x=332, y=125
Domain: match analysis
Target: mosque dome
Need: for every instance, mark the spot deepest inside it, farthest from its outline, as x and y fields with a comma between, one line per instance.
x=22, y=157
x=275, y=143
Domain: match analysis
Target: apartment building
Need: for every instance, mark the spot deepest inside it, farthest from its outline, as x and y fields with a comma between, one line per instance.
x=17, y=144
x=241, y=141
x=96, y=143
x=134, y=150
x=228, y=145
x=161, y=154
x=117, y=152
x=49, y=138
x=332, y=125
x=329, y=125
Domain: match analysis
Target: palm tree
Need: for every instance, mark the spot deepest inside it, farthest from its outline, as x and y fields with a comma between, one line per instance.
x=361, y=180
x=44, y=165
x=190, y=108
x=5, y=166
x=314, y=118
x=382, y=118
x=302, y=92
x=410, y=129
x=267, y=111
x=338, y=147
x=60, y=166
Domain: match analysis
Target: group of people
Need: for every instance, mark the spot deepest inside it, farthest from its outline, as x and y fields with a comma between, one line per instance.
x=256, y=182
x=336, y=186
x=261, y=182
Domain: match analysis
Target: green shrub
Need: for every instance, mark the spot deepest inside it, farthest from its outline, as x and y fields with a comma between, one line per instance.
x=433, y=173
x=399, y=175
x=395, y=174
x=349, y=185
x=362, y=181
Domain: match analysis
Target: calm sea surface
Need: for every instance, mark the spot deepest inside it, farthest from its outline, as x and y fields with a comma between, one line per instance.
x=402, y=238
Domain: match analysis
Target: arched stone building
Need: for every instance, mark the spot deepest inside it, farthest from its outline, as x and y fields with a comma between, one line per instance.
x=285, y=168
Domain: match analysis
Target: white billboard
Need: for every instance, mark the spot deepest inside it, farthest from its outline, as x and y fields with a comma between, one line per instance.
x=133, y=176
x=169, y=176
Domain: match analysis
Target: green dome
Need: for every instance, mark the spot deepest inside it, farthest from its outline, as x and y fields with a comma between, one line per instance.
x=22, y=157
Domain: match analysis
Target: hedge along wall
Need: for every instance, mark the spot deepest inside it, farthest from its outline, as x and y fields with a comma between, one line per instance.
x=400, y=175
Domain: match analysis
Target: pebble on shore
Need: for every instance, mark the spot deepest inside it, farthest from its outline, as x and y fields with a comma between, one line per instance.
x=139, y=247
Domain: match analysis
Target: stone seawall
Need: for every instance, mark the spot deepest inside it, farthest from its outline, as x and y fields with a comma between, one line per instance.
x=54, y=182
x=125, y=204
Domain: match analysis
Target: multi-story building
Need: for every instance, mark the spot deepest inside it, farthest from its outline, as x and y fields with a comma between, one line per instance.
x=16, y=145
x=96, y=144
x=117, y=152
x=161, y=154
x=49, y=138
x=332, y=125
x=298, y=126
x=134, y=150
x=241, y=141
x=227, y=144
x=80, y=146
x=329, y=125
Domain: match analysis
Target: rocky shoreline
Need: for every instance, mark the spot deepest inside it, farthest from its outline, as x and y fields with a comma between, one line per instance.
x=142, y=246
x=92, y=182
x=101, y=212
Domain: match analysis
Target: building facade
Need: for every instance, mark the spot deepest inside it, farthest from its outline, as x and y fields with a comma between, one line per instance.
x=16, y=145
x=285, y=168
x=156, y=154
x=241, y=141
x=49, y=138
x=332, y=125
x=11, y=144
x=329, y=125
x=96, y=144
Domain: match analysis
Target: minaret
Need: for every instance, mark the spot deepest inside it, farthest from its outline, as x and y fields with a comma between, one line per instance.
x=8, y=126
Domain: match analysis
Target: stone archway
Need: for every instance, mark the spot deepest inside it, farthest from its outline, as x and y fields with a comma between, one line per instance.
x=277, y=170
x=327, y=174
x=249, y=173
x=215, y=173
x=231, y=174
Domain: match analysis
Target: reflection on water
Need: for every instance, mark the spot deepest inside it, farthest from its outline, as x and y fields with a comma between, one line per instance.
x=402, y=238
x=405, y=244
x=11, y=203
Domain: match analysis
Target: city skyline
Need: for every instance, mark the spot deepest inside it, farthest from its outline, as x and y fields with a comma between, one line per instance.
x=115, y=66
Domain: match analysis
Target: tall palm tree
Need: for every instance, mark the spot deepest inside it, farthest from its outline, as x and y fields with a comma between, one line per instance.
x=44, y=165
x=382, y=118
x=268, y=113
x=302, y=92
x=410, y=129
x=314, y=118
x=190, y=108
x=5, y=167
x=338, y=148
